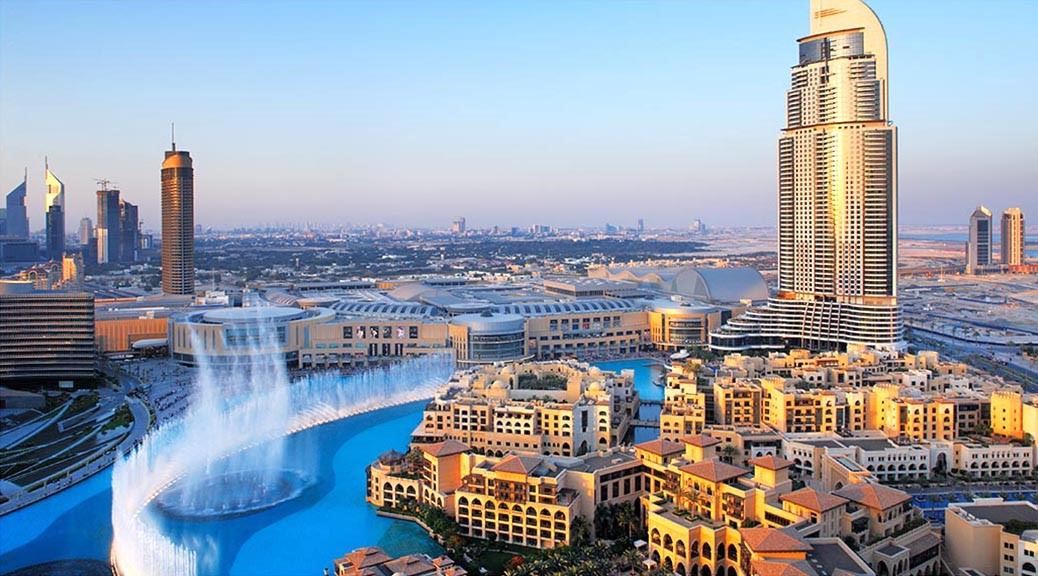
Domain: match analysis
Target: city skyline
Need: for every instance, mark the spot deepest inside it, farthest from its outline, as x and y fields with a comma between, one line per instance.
x=406, y=136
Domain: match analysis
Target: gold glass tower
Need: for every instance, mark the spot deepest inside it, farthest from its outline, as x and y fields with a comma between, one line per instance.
x=837, y=196
x=178, y=222
x=1013, y=237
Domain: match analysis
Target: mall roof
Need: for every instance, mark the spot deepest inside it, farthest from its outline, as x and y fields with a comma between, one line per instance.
x=567, y=307
x=394, y=309
x=707, y=284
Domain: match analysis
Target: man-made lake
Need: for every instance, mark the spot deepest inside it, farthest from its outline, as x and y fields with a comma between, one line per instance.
x=302, y=536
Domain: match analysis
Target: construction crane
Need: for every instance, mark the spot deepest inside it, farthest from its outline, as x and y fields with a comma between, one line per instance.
x=104, y=183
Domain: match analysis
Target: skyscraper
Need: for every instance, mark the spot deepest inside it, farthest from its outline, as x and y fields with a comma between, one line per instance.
x=178, y=223
x=978, y=249
x=86, y=231
x=109, y=233
x=54, y=210
x=1013, y=237
x=17, y=218
x=837, y=196
x=130, y=232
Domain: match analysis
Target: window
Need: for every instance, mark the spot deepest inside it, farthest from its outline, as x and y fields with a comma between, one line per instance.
x=412, y=332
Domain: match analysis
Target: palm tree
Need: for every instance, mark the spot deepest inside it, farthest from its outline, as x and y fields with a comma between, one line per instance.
x=728, y=453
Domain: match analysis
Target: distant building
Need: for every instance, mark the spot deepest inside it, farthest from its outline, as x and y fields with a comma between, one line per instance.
x=45, y=336
x=178, y=222
x=641, y=225
x=458, y=226
x=17, y=220
x=978, y=250
x=108, y=230
x=129, y=232
x=86, y=231
x=71, y=269
x=837, y=197
x=1013, y=237
x=18, y=250
x=54, y=208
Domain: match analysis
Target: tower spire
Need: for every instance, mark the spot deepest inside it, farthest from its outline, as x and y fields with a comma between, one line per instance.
x=46, y=163
x=172, y=136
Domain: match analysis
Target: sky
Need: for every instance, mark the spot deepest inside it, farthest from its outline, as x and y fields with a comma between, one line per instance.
x=557, y=112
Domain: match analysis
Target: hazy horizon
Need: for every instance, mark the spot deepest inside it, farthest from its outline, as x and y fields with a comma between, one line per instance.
x=566, y=114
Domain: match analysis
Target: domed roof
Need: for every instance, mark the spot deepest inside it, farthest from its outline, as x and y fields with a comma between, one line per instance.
x=595, y=387
x=499, y=385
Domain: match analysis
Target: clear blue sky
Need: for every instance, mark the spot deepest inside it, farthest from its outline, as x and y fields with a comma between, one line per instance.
x=506, y=112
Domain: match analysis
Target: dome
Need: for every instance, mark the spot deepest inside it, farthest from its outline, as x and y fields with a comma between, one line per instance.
x=499, y=385
x=595, y=387
x=507, y=371
x=594, y=371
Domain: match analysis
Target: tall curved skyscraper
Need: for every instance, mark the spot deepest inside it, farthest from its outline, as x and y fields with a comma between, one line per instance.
x=837, y=196
x=178, y=222
x=54, y=212
x=17, y=217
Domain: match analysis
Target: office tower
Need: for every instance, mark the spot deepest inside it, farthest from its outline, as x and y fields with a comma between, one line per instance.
x=837, y=196
x=108, y=231
x=1012, y=237
x=17, y=218
x=641, y=225
x=86, y=231
x=45, y=335
x=978, y=250
x=130, y=232
x=54, y=210
x=178, y=223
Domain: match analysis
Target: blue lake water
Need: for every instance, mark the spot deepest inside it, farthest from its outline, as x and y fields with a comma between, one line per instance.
x=646, y=377
x=302, y=536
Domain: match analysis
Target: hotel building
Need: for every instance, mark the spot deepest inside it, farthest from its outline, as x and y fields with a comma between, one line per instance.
x=837, y=196
x=178, y=222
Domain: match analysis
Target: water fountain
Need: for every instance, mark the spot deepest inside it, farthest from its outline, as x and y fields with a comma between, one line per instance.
x=225, y=457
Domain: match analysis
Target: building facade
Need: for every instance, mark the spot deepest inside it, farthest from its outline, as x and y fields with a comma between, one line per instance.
x=837, y=197
x=978, y=250
x=109, y=233
x=1013, y=237
x=45, y=336
x=16, y=216
x=178, y=222
x=54, y=210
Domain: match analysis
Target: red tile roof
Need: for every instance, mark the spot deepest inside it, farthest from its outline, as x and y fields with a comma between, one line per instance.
x=517, y=464
x=813, y=500
x=761, y=539
x=660, y=447
x=445, y=448
x=875, y=496
x=771, y=462
x=713, y=470
x=701, y=440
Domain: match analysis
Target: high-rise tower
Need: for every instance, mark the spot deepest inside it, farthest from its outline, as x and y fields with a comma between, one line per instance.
x=54, y=210
x=1012, y=237
x=17, y=218
x=837, y=196
x=108, y=230
x=178, y=222
x=129, y=232
x=978, y=249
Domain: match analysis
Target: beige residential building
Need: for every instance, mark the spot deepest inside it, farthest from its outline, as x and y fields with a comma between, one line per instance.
x=560, y=408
